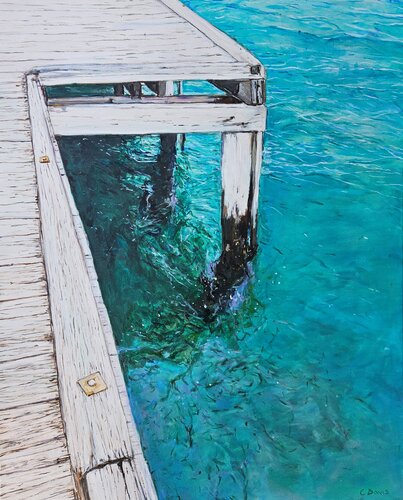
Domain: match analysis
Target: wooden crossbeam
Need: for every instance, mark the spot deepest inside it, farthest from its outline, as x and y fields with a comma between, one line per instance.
x=145, y=72
x=145, y=99
x=252, y=92
x=140, y=118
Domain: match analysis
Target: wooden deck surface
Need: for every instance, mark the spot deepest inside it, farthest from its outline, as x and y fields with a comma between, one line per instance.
x=71, y=41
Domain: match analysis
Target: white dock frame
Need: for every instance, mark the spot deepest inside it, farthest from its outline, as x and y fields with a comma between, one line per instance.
x=56, y=441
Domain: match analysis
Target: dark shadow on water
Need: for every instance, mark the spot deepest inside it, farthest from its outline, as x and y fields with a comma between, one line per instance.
x=223, y=287
x=158, y=200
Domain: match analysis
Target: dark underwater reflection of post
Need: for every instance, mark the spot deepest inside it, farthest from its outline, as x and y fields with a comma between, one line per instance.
x=240, y=172
x=159, y=199
x=232, y=269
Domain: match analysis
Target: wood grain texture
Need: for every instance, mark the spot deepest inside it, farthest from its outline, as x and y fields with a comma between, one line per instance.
x=113, y=481
x=240, y=174
x=73, y=42
x=138, y=461
x=219, y=38
x=96, y=427
x=83, y=73
x=236, y=168
x=141, y=118
x=93, y=37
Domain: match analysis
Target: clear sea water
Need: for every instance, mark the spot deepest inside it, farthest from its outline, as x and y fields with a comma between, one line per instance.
x=294, y=392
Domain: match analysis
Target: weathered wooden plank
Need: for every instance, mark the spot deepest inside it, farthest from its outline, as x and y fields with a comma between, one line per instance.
x=34, y=325
x=113, y=481
x=171, y=99
x=19, y=209
x=18, y=249
x=38, y=480
x=52, y=451
x=15, y=190
x=27, y=381
x=150, y=71
x=11, y=351
x=219, y=38
x=24, y=307
x=138, y=461
x=19, y=227
x=28, y=425
x=17, y=180
x=155, y=53
x=96, y=426
x=20, y=155
x=22, y=281
x=139, y=118
x=240, y=171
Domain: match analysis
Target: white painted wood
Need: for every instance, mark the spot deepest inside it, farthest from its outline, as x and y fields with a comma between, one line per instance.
x=38, y=478
x=22, y=281
x=140, y=118
x=236, y=168
x=92, y=42
x=96, y=426
x=240, y=174
x=257, y=158
x=138, y=460
x=168, y=99
x=116, y=481
x=32, y=379
x=107, y=73
x=219, y=38
x=19, y=250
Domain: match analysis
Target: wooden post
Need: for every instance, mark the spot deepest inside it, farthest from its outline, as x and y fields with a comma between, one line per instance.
x=119, y=89
x=134, y=89
x=240, y=172
x=160, y=202
x=164, y=189
x=251, y=92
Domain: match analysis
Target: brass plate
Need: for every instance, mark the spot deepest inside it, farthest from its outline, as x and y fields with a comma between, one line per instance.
x=92, y=384
x=44, y=159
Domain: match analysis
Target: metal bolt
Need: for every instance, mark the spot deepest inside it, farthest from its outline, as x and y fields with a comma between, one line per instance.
x=92, y=384
x=44, y=159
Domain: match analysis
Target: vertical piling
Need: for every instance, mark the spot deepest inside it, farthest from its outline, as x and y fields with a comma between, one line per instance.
x=118, y=89
x=161, y=200
x=240, y=172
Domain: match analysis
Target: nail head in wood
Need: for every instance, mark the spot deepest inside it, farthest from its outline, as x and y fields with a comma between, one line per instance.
x=92, y=384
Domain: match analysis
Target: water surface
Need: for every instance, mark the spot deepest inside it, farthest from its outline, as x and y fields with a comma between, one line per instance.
x=295, y=391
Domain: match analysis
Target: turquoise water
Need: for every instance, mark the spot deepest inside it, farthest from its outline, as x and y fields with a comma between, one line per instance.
x=294, y=392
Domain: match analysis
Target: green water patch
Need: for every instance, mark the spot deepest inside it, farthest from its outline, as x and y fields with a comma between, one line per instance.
x=294, y=383
x=294, y=391
x=58, y=91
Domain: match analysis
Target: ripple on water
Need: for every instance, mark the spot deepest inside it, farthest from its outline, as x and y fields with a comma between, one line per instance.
x=294, y=392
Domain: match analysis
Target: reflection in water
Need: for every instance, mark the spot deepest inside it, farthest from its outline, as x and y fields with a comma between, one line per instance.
x=158, y=199
x=279, y=392
x=294, y=392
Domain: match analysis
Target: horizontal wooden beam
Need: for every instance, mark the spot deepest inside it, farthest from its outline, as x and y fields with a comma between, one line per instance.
x=145, y=99
x=252, y=92
x=145, y=72
x=155, y=118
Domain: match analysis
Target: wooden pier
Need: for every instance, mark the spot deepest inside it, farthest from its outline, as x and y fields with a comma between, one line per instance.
x=66, y=429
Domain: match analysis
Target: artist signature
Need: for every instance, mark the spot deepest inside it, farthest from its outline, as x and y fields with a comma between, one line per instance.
x=370, y=491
